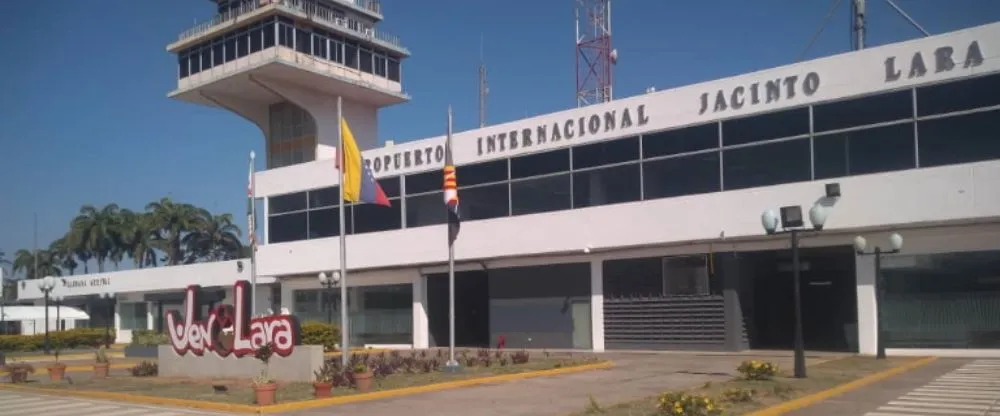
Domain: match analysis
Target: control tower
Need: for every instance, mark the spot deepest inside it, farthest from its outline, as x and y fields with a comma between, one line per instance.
x=282, y=64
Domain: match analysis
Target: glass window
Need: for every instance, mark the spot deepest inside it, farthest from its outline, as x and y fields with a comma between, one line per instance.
x=336, y=50
x=371, y=218
x=479, y=173
x=946, y=300
x=286, y=203
x=764, y=165
x=242, y=44
x=688, y=139
x=206, y=57
x=287, y=227
x=425, y=182
x=351, y=55
x=326, y=222
x=606, y=153
x=379, y=61
x=394, y=74
x=391, y=186
x=285, y=35
x=268, y=34
x=217, y=54
x=230, y=47
x=860, y=152
x=685, y=275
x=133, y=315
x=303, y=42
x=612, y=185
x=383, y=316
x=678, y=176
x=256, y=36
x=427, y=209
x=960, y=139
x=539, y=164
x=365, y=60
x=182, y=65
x=863, y=111
x=532, y=196
x=965, y=94
x=319, y=46
x=483, y=202
x=633, y=277
x=324, y=197
x=776, y=125
x=194, y=61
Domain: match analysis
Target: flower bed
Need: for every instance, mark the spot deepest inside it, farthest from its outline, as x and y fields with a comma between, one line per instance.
x=391, y=370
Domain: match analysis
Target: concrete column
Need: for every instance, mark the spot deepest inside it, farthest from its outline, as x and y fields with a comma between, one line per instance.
x=421, y=338
x=150, y=316
x=597, y=304
x=727, y=265
x=867, y=318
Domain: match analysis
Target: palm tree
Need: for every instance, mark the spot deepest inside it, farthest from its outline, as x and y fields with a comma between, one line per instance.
x=216, y=239
x=94, y=230
x=25, y=260
x=63, y=254
x=173, y=221
x=136, y=232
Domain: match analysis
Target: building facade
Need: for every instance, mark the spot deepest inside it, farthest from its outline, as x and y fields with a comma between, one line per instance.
x=634, y=224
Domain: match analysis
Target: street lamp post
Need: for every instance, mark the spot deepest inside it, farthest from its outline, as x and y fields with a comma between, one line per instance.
x=109, y=298
x=895, y=244
x=329, y=283
x=791, y=223
x=46, y=284
x=58, y=299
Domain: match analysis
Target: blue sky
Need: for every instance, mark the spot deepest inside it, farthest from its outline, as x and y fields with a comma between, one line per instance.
x=84, y=117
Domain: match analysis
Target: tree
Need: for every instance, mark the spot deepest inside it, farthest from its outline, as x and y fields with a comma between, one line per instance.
x=166, y=232
x=216, y=239
x=94, y=230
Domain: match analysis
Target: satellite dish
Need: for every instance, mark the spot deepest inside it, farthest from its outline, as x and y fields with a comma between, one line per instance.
x=614, y=56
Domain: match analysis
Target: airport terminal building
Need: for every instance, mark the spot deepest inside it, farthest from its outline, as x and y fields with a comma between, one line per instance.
x=633, y=224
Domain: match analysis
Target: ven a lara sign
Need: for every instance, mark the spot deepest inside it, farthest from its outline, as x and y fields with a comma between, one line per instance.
x=229, y=329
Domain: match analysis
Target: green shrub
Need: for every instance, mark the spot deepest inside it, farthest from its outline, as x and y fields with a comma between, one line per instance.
x=686, y=404
x=149, y=338
x=320, y=333
x=757, y=370
x=736, y=395
x=60, y=340
x=145, y=369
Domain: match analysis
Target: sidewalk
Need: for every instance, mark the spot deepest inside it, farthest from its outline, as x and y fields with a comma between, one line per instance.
x=871, y=397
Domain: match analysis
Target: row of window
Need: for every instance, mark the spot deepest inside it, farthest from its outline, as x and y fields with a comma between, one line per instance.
x=281, y=31
x=958, y=139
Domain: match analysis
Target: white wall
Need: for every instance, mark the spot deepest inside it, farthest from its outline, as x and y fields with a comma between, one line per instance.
x=845, y=75
x=943, y=194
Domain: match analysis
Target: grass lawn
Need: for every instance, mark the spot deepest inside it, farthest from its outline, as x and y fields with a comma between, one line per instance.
x=766, y=393
x=240, y=392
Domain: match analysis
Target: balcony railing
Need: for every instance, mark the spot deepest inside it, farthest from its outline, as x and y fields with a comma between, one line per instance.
x=309, y=7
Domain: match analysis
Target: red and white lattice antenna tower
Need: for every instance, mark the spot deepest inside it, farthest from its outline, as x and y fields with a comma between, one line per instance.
x=594, y=55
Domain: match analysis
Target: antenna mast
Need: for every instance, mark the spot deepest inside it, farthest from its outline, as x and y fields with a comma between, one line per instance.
x=858, y=28
x=484, y=90
x=594, y=54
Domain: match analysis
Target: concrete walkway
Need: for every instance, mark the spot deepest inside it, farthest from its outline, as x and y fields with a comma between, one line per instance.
x=634, y=376
x=936, y=389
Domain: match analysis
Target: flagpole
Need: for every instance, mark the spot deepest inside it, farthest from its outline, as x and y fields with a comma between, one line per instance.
x=253, y=236
x=345, y=347
x=452, y=364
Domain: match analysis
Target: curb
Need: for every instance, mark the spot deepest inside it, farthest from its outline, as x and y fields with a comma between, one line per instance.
x=809, y=400
x=308, y=404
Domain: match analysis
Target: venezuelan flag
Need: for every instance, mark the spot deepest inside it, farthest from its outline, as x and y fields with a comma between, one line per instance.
x=359, y=183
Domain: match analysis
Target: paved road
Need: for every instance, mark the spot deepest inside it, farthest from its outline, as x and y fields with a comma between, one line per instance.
x=19, y=404
x=972, y=389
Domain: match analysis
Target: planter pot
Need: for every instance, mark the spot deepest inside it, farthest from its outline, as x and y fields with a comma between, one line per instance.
x=264, y=394
x=19, y=376
x=57, y=372
x=142, y=351
x=364, y=381
x=101, y=370
x=321, y=390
